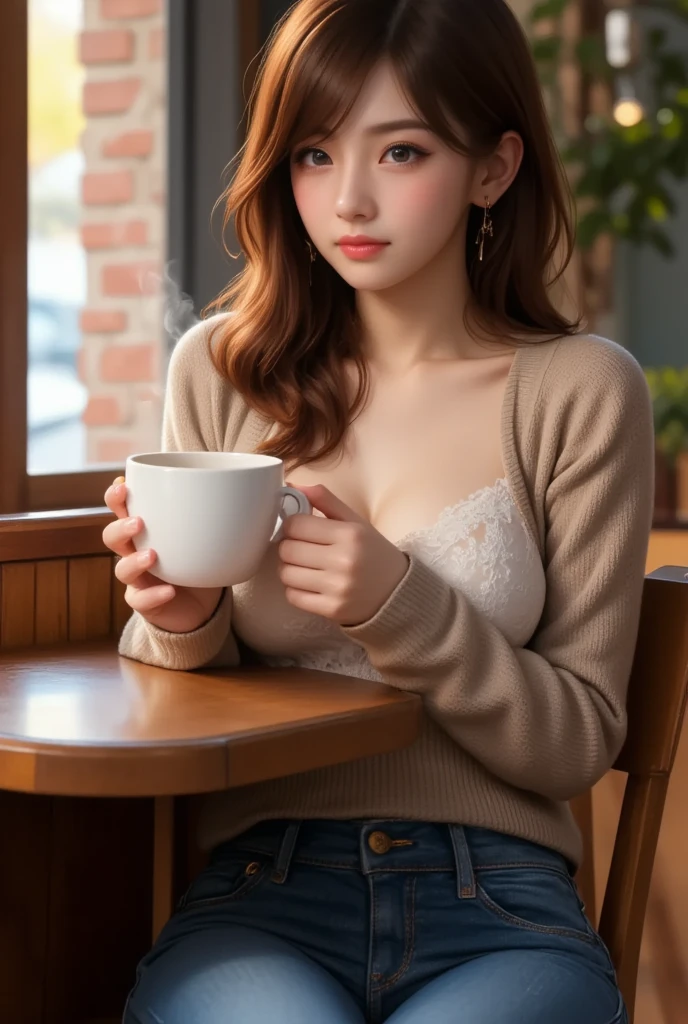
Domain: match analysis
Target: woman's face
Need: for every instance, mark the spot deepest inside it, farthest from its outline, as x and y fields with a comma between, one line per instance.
x=385, y=177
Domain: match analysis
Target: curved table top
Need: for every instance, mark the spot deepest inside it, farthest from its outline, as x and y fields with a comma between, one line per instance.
x=81, y=721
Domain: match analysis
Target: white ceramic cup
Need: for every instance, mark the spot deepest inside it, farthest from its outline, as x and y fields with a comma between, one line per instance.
x=209, y=516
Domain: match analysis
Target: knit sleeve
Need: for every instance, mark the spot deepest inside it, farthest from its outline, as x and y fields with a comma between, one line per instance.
x=548, y=717
x=186, y=427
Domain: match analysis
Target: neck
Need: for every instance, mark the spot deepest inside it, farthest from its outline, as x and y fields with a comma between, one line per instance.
x=422, y=319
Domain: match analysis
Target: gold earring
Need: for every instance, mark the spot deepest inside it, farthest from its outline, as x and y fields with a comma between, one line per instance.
x=312, y=253
x=486, y=228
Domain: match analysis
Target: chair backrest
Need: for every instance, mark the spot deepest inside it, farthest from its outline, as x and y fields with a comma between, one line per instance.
x=656, y=706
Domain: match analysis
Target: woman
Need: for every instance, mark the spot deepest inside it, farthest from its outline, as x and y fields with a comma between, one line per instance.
x=481, y=474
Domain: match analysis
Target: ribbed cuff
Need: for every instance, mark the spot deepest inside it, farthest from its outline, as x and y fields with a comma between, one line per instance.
x=142, y=641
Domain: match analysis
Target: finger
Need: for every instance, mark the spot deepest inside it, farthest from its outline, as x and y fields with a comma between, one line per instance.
x=316, y=604
x=300, y=552
x=132, y=569
x=150, y=599
x=298, y=578
x=314, y=529
x=330, y=505
x=116, y=498
x=118, y=535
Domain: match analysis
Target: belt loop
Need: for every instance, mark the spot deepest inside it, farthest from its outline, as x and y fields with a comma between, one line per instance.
x=464, y=869
x=285, y=853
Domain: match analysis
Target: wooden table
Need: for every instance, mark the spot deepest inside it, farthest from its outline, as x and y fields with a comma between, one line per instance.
x=80, y=722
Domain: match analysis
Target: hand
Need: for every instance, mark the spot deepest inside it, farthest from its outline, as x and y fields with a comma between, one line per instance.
x=174, y=609
x=340, y=567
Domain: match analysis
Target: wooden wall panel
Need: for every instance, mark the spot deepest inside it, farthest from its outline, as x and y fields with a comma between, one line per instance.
x=17, y=602
x=52, y=604
x=121, y=612
x=90, y=597
x=24, y=891
x=100, y=906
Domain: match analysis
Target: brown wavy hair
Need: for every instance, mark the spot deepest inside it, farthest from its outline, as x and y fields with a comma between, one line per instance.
x=462, y=60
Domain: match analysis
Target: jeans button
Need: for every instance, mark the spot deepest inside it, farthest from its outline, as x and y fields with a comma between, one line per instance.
x=379, y=842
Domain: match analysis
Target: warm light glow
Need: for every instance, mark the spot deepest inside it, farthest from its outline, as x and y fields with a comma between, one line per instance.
x=618, y=38
x=628, y=112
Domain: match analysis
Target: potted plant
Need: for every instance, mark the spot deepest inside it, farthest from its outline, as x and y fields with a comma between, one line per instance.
x=669, y=390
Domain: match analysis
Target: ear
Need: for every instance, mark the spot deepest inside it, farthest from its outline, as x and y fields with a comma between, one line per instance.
x=496, y=173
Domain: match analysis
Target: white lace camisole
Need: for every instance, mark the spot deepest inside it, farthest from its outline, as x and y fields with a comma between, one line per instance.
x=479, y=546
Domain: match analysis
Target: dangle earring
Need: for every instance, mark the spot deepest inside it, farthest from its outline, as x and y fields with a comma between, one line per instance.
x=312, y=253
x=486, y=228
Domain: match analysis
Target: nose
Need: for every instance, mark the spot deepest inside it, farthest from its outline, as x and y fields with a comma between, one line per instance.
x=355, y=200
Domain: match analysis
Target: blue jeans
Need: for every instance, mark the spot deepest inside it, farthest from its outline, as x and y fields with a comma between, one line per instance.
x=326, y=922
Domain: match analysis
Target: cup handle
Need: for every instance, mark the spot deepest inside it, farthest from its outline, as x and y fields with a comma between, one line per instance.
x=292, y=502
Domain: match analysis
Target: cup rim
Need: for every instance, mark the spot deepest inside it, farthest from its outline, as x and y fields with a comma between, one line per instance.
x=138, y=460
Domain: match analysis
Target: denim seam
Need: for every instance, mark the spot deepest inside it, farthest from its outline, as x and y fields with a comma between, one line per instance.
x=213, y=901
x=521, y=922
x=382, y=869
x=372, y=995
x=521, y=864
x=409, y=938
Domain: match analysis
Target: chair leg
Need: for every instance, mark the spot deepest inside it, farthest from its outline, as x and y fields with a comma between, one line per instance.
x=163, y=862
x=585, y=878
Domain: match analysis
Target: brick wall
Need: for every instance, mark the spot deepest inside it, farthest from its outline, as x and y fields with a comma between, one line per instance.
x=123, y=196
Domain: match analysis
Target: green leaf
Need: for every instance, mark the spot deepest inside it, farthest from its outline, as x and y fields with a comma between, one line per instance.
x=657, y=208
x=547, y=48
x=592, y=54
x=661, y=243
x=591, y=226
x=674, y=129
x=682, y=97
x=548, y=9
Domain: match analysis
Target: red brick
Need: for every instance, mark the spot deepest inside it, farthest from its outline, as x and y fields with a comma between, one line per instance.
x=81, y=365
x=156, y=43
x=108, y=47
x=140, y=278
x=136, y=143
x=106, y=189
x=110, y=236
x=112, y=97
x=102, y=411
x=115, y=449
x=129, y=8
x=126, y=364
x=102, y=321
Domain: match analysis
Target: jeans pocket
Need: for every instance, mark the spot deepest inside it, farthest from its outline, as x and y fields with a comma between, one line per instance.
x=536, y=898
x=224, y=881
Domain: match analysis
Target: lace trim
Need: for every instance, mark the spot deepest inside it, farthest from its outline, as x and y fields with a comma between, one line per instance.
x=499, y=508
x=498, y=568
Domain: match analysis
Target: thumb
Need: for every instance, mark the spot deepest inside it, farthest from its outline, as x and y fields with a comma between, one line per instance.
x=330, y=505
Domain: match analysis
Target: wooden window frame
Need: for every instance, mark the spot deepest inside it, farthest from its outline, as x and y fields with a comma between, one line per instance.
x=197, y=154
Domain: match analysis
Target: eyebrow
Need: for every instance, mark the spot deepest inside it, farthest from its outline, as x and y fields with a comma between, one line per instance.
x=404, y=124
x=395, y=126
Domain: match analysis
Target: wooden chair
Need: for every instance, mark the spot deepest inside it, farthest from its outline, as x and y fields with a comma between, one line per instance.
x=656, y=705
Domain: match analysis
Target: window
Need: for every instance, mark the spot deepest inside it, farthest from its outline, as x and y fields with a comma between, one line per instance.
x=119, y=118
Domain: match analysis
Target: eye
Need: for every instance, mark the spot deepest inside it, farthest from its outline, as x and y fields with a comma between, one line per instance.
x=312, y=158
x=404, y=153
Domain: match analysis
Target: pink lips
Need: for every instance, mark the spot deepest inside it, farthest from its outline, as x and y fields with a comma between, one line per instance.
x=360, y=247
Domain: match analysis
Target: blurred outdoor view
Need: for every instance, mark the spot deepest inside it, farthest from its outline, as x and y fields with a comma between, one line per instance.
x=57, y=261
x=96, y=212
